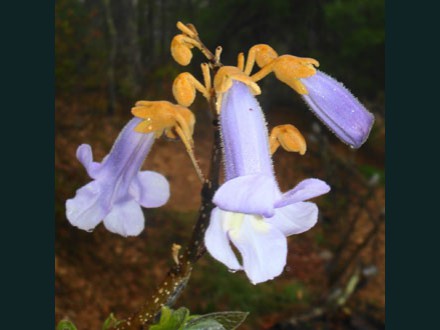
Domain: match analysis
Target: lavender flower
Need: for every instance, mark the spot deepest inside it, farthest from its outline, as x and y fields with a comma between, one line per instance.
x=337, y=108
x=251, y=211
x=118, y=187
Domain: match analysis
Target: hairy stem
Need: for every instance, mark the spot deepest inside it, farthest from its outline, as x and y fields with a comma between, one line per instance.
x=178, y=276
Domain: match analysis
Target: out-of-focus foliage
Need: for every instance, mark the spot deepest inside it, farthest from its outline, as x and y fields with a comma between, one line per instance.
x=346, y=36
x=216, y=321
x=66, y=325
x=110, y=322
x=80, y=53
x=356, y=35
x=181, y=320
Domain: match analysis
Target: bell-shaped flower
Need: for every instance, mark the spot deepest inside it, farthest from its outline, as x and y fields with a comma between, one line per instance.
x=118, y=187
x=251, y=211
x=338, y=109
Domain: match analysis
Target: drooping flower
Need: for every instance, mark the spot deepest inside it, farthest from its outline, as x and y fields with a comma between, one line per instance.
x=338, y=109
x=251, y=211
x=118, y=187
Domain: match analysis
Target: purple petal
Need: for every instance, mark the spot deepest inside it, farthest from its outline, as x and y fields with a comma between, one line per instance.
x=253, y=194
x=118, y=186
x=262, y=246
x=217, y=242
x=150, y=189
x=244, y=134
x=85, y=156
x=125, y=218
x=87, y=208
x=337, y=108
x=305, y=190
x=128, y=153
x=295, y=219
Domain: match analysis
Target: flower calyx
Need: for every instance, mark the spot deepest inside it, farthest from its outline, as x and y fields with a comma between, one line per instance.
x=171, y=120
x=289, y=138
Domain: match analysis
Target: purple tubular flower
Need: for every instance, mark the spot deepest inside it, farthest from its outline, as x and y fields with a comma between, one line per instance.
x=251, y=211
x=338, y=109
x=119, y=187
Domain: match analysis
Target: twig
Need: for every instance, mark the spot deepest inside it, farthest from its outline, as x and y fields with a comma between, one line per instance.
x=335, y=300
x=332, y=268
x=371, y=234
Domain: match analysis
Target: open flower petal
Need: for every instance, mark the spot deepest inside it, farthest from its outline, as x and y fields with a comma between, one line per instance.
x=125, y=218
x=254, y=194
x=87, y=208
x=306, y=189
x=251, y=211
x=337, y=108
x=119, y=186
x=217, y=242
x=262, y=246
x=150, y=189
x=85, y=156
x=295, y=218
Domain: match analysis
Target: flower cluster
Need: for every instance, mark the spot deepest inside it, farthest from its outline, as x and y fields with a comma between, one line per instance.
x=251, y=211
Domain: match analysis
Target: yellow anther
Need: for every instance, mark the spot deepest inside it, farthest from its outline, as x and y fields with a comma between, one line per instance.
x=181, y=51
x=262, y=54
x=181, y=46
x=289, y=138
x=163, y=117
x=185, y=86
x=224, y=78
x=184, y=89
x=289, y=69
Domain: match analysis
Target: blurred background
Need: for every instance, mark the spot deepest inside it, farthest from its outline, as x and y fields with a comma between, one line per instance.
x=111, y=53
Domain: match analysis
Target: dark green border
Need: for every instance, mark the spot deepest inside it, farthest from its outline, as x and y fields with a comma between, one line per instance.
x=412, y=230
x=27, y=245
x=27, y=154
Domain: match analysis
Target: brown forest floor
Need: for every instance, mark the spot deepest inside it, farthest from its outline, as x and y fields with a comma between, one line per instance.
x=98, y=273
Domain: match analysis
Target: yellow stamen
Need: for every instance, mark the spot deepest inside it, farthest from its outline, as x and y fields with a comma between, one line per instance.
x=289, y=138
